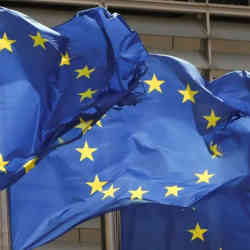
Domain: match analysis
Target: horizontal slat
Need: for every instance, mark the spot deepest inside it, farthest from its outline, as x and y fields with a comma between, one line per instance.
x=187, y=44
x=71, y=236
x=231, y=62
x=229, y=46
x=230, y=30
x=152, y=41
x=70, y=246
x=194, y=57
x=94, y=223
x=165, y=25
x=156, y=5
x=56, y=2
x=90, y=236
x=47, y=16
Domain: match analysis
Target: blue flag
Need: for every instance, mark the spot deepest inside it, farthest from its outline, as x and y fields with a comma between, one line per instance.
x=219, y=221
x=179, y=143
x=50, y=78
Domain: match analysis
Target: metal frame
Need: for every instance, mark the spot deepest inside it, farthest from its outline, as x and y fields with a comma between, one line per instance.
x=149, y=5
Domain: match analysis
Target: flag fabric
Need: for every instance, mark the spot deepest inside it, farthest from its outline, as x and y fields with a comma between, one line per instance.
x=50, y=78
x=219, y=221
x=179, y=143
x=237, y=96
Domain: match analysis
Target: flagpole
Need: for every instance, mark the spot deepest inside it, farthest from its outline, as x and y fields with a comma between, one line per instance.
x=111, y=231
x=5, y=243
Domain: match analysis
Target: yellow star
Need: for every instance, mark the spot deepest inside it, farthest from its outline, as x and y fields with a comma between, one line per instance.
x=39, y=40
x=204, y=177
x=30, y=164
x=214, y=150
x=60, y=140
x=110, y=192
x=86, y=152
x=188, y=94
x=3, y=164
x=5, y=43
x=212, y=119
x=87, y=94
x=96, y=185
x=154, y=84
x=84, y=125
x=197, y=232
x=137, y=194
x=99, y=123
x=65, y=59
x=172, y=190
x=85, y=71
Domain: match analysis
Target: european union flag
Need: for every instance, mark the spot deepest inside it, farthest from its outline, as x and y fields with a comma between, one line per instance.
x=51, y=79
x=179, y=143
x=217, y=222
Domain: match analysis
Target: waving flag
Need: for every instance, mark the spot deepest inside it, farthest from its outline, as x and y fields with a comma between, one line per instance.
x=219, y=221
x=178, y=144
x=52, y=78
